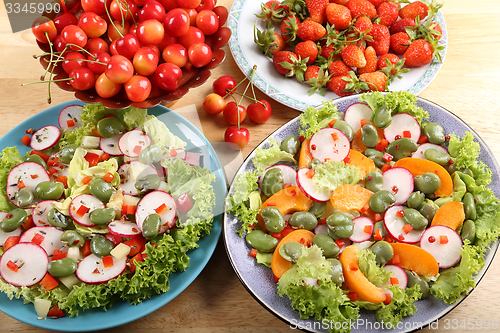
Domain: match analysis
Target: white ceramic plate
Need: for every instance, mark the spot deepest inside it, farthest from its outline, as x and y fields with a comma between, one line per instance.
x=289, y=91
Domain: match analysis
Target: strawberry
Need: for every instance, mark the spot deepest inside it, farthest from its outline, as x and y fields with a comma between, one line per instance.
x=377, y=3
x=271, y=12
x=327, y=51
x=381, y=63
x=399, y=25
x=360, y=7
x=338, y=84
x=338, y=16
x=414, y=9
x=400, y=42
x=381, y=39
x=377, y=81
x=353, y=56
x=339, y=68
x=437, y=31
x=310, y=30
x=283, y=56
x=392, y=66
x=307, y=49
x=269, y=41
x=363, y=24
x=316, y=10
x=289, y=27
x=388, y=13
x=371, y=61
x=311, y=72
x=419, y=53
x=315, y=77
x=339, y=2
x=289, y=64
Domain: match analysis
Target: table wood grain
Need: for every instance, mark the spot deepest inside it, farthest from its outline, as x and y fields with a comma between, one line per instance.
x=468, y=84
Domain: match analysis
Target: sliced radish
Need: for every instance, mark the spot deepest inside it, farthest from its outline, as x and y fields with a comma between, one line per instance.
x=444, y=243
x=321, y=229
x=81, y=207
x=124, y=228
x=40, y=211
x=289, y=174
x=364, y=245
x=91, y=269
x=132, y=171
x=310, y=189
x=394, y=226
x=363, y=229
x=29, y=174
x=4, y=235
x=329, y=144
x=310, y=282
x=45, y=138
x=110, y=145
x=399, y=181
x=398, y=278
x=47, y=237
x=402, y=125
x=157, y=202
x=70, y=115
x=133, y=142
x=193, y=158
x=357, y=112
x=24, y=264
x=420, y=153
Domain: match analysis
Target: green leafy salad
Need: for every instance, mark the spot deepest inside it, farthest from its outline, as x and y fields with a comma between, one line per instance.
x=373, y=209
x=109, y=209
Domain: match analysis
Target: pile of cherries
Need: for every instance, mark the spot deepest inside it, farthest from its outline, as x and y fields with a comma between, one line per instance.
x=143, y=47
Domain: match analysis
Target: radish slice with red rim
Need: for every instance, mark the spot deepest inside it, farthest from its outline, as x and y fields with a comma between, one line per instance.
x=357, y=112
x=130, y=172
x=30, y=174
x=329, y=144
x=133, y=142
x=91, y=269
x=289, y=174
x=399, y=182
x=81, y=207
x=420, y=153
x=398, y=277
x=310, y=189
x=124, y=228
x=29, y=259
x=110, y=145
x=45, y=138
x=70, y=115
x=47, y=237
x=394, y=225
x=40, y=212
x=402, y=125
x=444, y=243
x=363, y=229
x=321, y=229
x=157, y=202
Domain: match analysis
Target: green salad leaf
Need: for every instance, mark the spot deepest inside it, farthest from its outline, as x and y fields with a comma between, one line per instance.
x=238, y=203
x=373, y=272
x=402, y=305
x=313, y=119
x=160, y=134
x=265, y=158
x=332, y=174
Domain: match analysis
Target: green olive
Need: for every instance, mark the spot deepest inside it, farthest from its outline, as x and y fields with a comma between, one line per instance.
x=24, y=197
x=58, y=219
x=101, y=246
x=48, y=190
x=67, y=152
x=376, y=156
x=341, y=225
x=402, y=148
x=101, y=189
x=337, y=272
x=291, y=251
x=261, y=241
x=37, y=159
x=436, y=156
x=469, y=206
x=313, y=163
x=434, y=133
x=13, y=220
x=369, y=135
x=413, y=279
x=327, y=245
x=468, y=231
x=291, y=144
x=374, y=181
x=273, y=219
x=427, y=183
x=428, y=209
x=381, y=200
x=151, y=226
x=414, y=218
x=62, y=267
x=345, y=128
x=318, y=209
x=272, y=181
x=110, y=126
x=382, y=117
x=147, y=183
x=102, y=216
x=303, y=220
x=72, y=238
x=151, y=154
x=383, y=252
x=415, y=200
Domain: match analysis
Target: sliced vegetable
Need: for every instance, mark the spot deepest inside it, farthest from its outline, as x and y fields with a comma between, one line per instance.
x=415, y=259
x=280, y=265
x=451, y=214
x=350, y=197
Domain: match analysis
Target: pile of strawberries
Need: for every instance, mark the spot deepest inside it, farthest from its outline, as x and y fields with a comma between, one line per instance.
x=348, y=46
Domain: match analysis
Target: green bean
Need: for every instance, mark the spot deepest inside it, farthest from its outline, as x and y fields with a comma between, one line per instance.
x=151, y=154
x=434, y=133
x=382, y=117
x=337, y=272
x=273, y=219
x=415, y=219
x=291, y=251
x=151, y=226
x=468, y=231
x=402, y=148
x=381, y=200
x=24, y=197
x=383, y=252
x=340, y=224
x=110, y=126
x=72, y=238
x=318, y=209
x=58, y=219
x=101, y=246
x=345, y=128
x=369, y=135
x=469, y=206
x=291, y=144
x=374, y=181
x=102, y=216
x=413, y=279
x=67, y=152
x=272, y=181
x=101, y=189
x=327, y=245
x=261, y=241
x=427, y=183
x=438, y=157
x=303, y=220
x=62, y=267
x=37, y=159
x=415, y=200
x=13, y=220
x=48, y=190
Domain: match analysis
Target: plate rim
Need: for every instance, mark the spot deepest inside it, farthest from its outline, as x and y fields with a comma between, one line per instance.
x=208, y=244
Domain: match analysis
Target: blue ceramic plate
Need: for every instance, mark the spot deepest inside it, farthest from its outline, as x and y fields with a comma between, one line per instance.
x=290, y=92
x=258, y=279
x=123, y=312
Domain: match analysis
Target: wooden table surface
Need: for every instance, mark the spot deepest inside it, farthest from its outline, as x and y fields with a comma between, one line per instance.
x=468, y=85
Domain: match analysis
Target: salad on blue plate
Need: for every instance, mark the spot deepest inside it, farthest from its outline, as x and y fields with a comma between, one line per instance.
x=103, y=208
x=367, y=210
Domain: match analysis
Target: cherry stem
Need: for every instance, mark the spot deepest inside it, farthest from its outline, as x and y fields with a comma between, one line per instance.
x=125, y=5
x=245, y=78
x=249, y=97
x=43, y=81
x=49, y=98
x=111, y=20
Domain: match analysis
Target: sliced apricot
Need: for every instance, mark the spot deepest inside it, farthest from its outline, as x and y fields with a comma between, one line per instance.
x=280, y=265
x=305, y=154
x=360, y=161
x=350, y=197
x=451, y=214
x=416, y=259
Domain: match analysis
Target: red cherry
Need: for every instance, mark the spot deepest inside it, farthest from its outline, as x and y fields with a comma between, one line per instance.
x=61, y=21
x=92, y=24
x=259, y=113
x=41, y=26
x=145, y=61
x=127, y=46
x=206, y=5
x=200, y=54
x=167, y=75
x=192, y=13
x=150, y=32
x=176, y=22
x=137, y=88
x=214, y=104
x=72, y=34
x=230, y=113
x=82, y=78
x=97, y=45
x=236, y=138
x=96, y=6
x=100, y=57
x=106, y=88
x=208, y=22
x=175, y=54
x=169, y=4
x=119, y=69
x=193, y=36
x=72, y=61
x=117, y=30
x=188, y=3
x=152, y=9
x=119, y=10
x=223, y=85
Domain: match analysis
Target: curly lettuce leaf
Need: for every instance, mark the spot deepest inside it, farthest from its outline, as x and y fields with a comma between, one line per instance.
x=160, y=134
x=373, y=272
x=332, y=174
x=267, y=157
x=314, y=119
x=402, y=305
x=264, y=258
x=238, y=203
x=10, y=158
